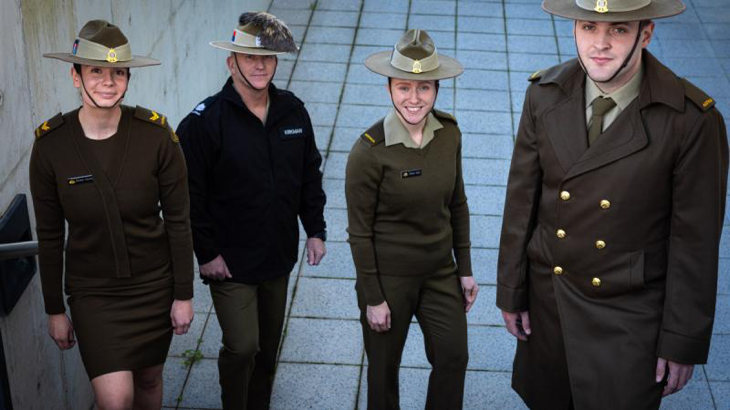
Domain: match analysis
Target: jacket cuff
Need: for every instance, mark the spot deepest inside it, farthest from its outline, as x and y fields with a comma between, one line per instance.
x=512, y=300
x=682, y=349
x=183, y=291
x=371, y=289
x=463, y=261
x=54, y=306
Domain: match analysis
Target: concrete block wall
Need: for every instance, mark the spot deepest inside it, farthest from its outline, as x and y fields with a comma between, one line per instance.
x=33, y=89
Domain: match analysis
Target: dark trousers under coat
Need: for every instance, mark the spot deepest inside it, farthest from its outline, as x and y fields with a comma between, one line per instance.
x=438, y=304
x=251, y=319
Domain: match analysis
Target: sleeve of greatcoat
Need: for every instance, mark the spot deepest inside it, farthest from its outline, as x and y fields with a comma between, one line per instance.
x=362, y=180
x=313, y=199
x=698, y=208
x=520, y=208
x=460, y=221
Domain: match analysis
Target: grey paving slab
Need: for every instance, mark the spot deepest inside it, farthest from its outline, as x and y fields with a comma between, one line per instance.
x=485, y=231
x=684, y=67
x=336, y=163
x=322, y=114
x=531, y=44
x=173, y=379
x=688, y=48
x=212, y=338
x=335, y=53
x=531, y=62
x=487, y=146
x=531, y=27
x=316, y=92
x=322, y=135
x=359, y=116
x=346, y=5
x=481, y=122
x=437, y=7
x=413, y=387
x=292, y=4
x=298, y=32
x=283, y=73
x=336, y=264
x=721, y=394
x=513, y=10
x=479, y=9
x=344, y=138
x=721, y=47
x=725, y=243
x=378, y=37
x=360, y=53
x=395, y=21
x=489, y=390
x=566, y=46
x=486, y=200
x=465, y=23
x=445, y=100
x=359, y=74
x=202, y=390
x=335, y=189
x=201, y=296
x=669, y=29
x=190, y=340
x=432, y=23
x=482, y=100
x=484, y=266
x=695, y=395
x=718, y=363
x=723, y=281
x=386, y=6
x=328, y=18
x=322, y=341
x=444, y=40
x=315, y=386
x=710, y=14
x=716, y=31
x=292, y=16
x=483, y=80
x=490, y=348
x=330, y=35
x=722, y=315
x=564, y=28
x=485, y=171
x=370, y=94
x=518, y=80
x=481, y=42
x=482, y=60
x=485, y=312
x=414, y=352
x=317, y=71
x=325, y=298
x=336, y=224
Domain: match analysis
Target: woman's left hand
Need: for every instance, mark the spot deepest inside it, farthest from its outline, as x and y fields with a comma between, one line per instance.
x=181, y=315
x=470, y=288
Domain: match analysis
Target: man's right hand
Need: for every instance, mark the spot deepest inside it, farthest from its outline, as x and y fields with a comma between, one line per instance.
x=215, y=269
x=518, y=324
x=61, y=331
x=379, y=317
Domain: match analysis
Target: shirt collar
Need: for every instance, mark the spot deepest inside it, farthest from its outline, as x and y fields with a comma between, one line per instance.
x=396, y=132
x=622, y=97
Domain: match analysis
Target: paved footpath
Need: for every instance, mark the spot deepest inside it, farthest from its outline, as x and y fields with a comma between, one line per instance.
x=322, y=363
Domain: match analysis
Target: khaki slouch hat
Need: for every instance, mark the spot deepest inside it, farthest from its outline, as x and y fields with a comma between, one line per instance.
x=613, y=10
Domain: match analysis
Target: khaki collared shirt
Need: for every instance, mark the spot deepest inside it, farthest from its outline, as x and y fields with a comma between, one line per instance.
x=623, y=97
x=396, y=132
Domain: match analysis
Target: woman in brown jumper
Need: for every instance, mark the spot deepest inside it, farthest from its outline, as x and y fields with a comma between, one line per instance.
x=106, y=171
x=407, y=219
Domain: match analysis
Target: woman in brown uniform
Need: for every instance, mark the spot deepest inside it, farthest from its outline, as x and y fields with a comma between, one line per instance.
x=408, y=217
x=107, y=170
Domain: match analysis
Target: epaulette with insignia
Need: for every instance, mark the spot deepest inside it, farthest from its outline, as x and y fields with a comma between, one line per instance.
x=445, y=116
x=200, y=108
x=150, y=116
x=697, y=96
x=48, y=126
x=371, y=140
x=374, y=135
x=536, y=75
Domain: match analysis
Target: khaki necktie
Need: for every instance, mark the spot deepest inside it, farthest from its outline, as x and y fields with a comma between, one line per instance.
x=600, y=107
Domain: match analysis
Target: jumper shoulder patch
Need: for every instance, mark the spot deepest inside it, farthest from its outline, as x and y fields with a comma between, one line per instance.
x=703, y=101
x=442, y=115
x=48, y=126
x=154, y=117
x=536, y=75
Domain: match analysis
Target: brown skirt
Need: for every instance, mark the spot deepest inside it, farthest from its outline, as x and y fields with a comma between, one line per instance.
x=122, y=323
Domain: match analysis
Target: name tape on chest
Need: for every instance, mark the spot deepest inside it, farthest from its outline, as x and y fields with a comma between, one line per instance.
x=81, y=179
x=291, y=133
x=410, y=173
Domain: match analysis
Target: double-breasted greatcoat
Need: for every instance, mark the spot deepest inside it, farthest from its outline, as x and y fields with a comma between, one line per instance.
x=612, y=248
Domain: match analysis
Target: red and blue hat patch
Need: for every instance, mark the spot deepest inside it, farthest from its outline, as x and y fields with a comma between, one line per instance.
x=75, y=47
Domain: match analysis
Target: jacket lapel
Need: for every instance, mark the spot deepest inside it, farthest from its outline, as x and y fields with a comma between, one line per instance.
x=566, y=129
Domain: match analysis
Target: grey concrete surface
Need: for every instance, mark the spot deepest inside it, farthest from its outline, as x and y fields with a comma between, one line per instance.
x=500, y=42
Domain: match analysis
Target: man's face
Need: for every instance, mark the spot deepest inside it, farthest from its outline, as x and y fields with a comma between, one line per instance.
x=258, y=69
x=413, y=99
x=604, y=46
x=104, y=84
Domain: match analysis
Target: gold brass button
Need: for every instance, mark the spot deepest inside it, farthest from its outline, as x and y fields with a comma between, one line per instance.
x=596, y=282
x=565, y=195
x=560, y=234
x=558, y=270
x=600, y=244
x=605, y=204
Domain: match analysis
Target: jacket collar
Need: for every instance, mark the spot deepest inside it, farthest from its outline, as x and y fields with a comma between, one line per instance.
x=277, y=105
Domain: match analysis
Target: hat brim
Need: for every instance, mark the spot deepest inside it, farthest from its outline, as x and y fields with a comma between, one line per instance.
x=226, y=45
x=379, y=63
x=135, y=62
x=655, y=10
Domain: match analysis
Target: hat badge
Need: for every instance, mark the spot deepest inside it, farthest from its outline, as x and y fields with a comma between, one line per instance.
x=601, y=6
x=417, y=67
x=111, y=56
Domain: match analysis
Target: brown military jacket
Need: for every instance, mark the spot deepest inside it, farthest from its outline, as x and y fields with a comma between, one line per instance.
x=613, y=249
x=114, y=224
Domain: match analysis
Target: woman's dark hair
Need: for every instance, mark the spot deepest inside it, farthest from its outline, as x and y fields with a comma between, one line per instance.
x=77, y=68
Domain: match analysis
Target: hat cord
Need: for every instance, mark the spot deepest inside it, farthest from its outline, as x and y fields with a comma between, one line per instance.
x=623, y=65
x=94, y=101
x=235, y=60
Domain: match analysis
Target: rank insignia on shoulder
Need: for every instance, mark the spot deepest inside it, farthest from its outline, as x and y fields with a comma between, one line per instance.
x=697, y=96
x=410, y=173
x=370, y=139
x=48, y=126
x=81, y=179
x=535, y=76
x=174, y=137
x=198, y=110
x=150, y=116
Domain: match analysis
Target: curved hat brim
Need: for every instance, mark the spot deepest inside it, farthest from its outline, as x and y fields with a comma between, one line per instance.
x=379, y=63
x=655, y=10
x=226, y=45
x=135, y=62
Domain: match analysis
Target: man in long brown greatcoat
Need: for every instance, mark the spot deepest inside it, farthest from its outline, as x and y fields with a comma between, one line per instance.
x=608, y=257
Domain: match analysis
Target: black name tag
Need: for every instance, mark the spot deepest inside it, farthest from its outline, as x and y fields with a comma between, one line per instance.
x=81, y=179
x=291, y=133
x=411, y=173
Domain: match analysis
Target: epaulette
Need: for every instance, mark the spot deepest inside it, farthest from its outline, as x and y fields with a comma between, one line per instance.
x=374, y=135
x=150, y=116
x=697, y=96
x=200, y=108
x=445, y=116
x=536, y=75
x=49, y=126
